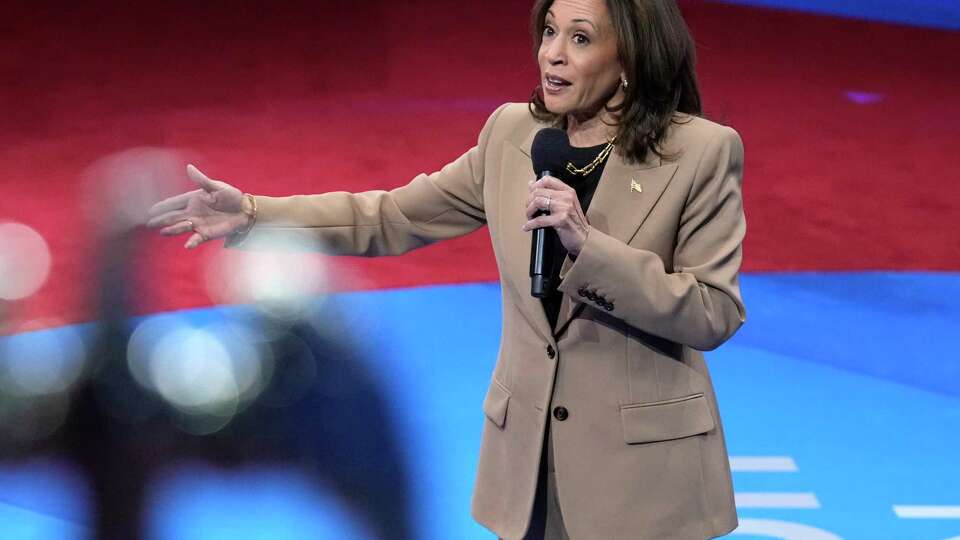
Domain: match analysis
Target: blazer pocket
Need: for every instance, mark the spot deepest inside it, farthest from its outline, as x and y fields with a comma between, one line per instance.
x=495, y=404
x=666, y=420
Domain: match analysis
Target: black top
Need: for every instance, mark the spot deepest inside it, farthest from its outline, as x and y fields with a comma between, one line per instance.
x=585, y=187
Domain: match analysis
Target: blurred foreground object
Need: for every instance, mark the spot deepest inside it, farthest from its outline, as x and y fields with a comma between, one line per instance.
x=130, y=399
x=24, y=261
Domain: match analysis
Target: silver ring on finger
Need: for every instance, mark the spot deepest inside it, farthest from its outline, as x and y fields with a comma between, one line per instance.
x=549, y=201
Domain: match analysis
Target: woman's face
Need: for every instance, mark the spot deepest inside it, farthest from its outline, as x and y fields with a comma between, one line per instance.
x=579, y=66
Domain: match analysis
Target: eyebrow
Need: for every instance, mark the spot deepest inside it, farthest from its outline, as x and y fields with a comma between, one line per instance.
x=588, y=21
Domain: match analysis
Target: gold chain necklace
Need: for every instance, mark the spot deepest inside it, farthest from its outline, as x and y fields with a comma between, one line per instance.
x=589, y=167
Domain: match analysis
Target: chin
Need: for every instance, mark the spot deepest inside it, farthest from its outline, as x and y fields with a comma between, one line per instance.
x=556, y=106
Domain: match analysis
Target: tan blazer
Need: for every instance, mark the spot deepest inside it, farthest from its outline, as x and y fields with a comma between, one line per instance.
x=640, y=454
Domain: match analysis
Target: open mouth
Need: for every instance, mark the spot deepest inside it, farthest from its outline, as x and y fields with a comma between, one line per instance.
x=552, y=83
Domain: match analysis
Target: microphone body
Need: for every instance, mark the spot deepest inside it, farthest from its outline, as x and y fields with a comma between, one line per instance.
x=540, y=274
x=549, y=152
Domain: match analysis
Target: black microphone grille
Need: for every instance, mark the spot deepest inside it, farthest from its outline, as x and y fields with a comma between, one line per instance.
x=549, y=151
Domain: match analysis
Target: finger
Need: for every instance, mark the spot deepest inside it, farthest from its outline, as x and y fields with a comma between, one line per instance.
x=546, y=194
x=534, y=184
x=540, y=222
x=532, y=209
x=553, y=207
x=201, y=179
x=166, y=219
x=539, y=204
x=177, y=228
x=195, y=240
x=531, y=199
x=544, y=203
x=549, y=182
x=177, y=202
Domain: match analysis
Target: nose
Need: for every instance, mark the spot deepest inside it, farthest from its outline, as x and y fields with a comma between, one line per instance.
x=555, y=53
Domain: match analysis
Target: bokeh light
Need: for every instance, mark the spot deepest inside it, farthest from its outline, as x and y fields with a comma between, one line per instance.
x=206, y=373
x=38, y=369
x=42, y=363
x=24, y=261
x=192, y=369
x=121, y=187
x=283, y=279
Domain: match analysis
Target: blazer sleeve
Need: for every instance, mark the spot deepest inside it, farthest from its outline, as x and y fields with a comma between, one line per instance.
x=698, y=303
x=432, y=207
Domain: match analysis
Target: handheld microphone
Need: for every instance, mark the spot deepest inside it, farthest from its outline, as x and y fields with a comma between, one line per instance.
x=549, y=151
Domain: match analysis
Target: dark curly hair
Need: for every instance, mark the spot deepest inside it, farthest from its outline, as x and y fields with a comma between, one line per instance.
x=658, y=56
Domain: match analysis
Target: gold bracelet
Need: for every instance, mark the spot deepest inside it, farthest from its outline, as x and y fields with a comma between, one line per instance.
x=251, y=213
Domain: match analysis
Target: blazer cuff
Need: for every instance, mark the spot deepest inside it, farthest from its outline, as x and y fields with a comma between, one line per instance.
x=579, y=276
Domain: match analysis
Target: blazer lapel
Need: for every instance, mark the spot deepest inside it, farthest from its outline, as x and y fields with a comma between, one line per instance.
x=516, y=172
x=624, y=198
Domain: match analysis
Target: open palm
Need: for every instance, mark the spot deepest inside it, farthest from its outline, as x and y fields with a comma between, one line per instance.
x=213, y=211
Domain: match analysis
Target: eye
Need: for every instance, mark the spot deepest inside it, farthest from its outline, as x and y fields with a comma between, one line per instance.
x=548, y=31
x=580, y=39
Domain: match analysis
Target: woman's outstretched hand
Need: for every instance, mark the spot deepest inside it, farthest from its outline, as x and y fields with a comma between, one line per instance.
x=213, y=211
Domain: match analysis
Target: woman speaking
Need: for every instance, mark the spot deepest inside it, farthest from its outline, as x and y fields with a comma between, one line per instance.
x=601, y=420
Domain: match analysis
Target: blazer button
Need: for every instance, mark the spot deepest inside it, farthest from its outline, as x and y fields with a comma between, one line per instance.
x=591, y=296
x=551, y=353
x=608, y=306
x=582, y=291
x=560, y=413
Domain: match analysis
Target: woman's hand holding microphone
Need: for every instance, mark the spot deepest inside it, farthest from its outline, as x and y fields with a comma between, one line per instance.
x=564, y=213
x=215, y=210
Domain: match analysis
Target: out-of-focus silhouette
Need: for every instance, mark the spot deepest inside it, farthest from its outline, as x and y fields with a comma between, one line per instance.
x=286, y=393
